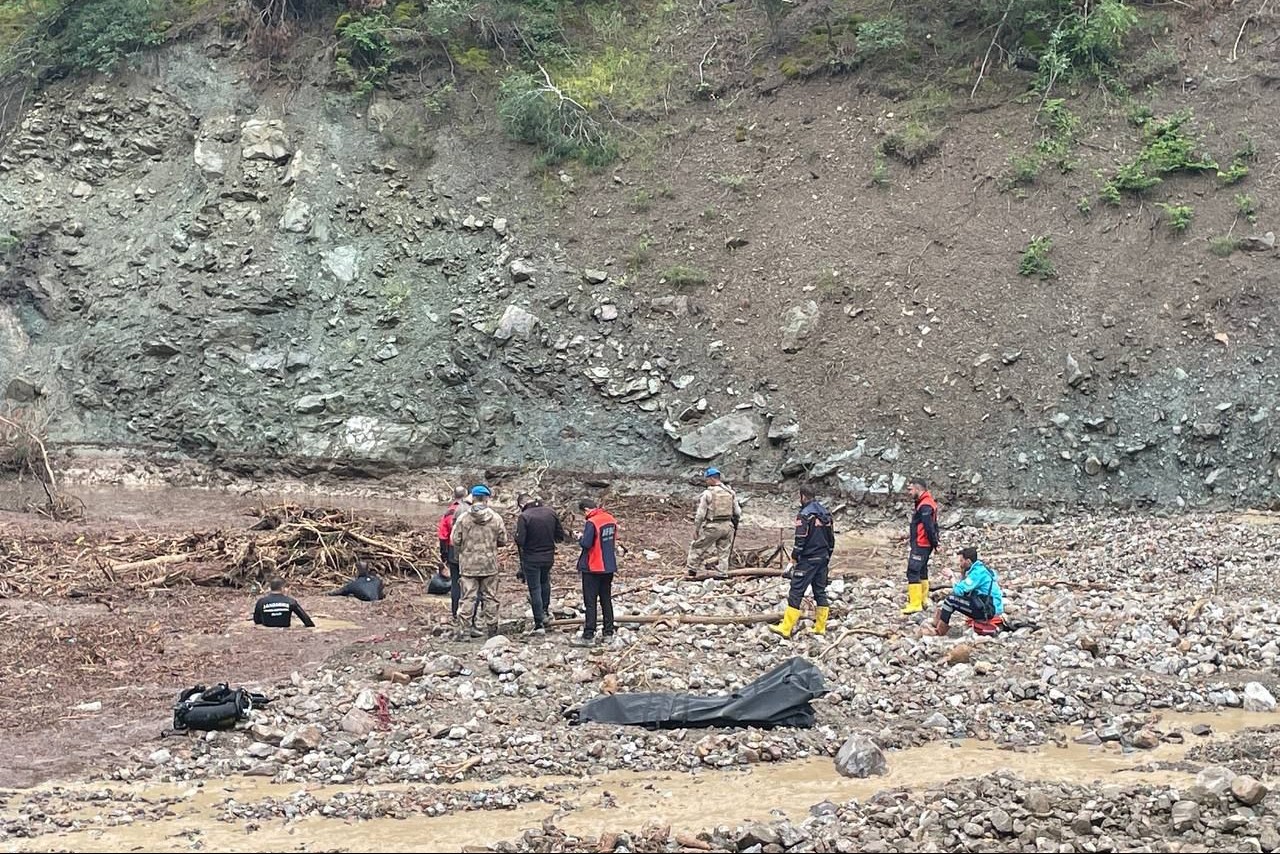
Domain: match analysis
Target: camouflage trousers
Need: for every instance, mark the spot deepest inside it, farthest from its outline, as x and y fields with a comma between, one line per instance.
x=711, y=543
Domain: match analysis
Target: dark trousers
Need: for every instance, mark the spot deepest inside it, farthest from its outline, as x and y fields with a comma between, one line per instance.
x=537, y=574
x=810, y=573
x=918, y=565
x=597, y=586
x=973, y=606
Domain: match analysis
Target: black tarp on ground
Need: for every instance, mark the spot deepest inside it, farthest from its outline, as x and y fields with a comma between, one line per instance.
x=779, y=698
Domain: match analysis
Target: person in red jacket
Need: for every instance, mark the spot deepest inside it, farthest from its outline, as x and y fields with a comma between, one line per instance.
x=597, y=564
x=922, y=539
x=448, y=556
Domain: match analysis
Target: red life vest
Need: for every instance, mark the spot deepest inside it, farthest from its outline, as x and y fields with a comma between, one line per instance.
x=921, y=536
x=600, y=554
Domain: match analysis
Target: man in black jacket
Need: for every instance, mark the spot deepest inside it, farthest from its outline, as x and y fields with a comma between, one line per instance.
x=815, y=541
x=366, y=586
x=276, y=610
x=537, y=531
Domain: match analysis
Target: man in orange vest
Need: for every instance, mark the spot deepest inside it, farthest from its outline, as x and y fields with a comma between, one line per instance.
x=922, y=539
x=597, y=564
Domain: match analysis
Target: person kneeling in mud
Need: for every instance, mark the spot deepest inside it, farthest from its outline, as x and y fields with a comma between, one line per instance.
x=276, y=609
x=977, y=596
x=365, y=586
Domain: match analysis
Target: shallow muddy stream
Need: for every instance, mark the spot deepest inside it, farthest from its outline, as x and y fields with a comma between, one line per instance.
x=195, y=816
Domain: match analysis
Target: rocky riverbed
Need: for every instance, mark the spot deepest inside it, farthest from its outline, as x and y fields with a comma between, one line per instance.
x=1136, y=636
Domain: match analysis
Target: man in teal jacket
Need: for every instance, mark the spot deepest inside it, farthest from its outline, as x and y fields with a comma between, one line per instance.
x=977, y=595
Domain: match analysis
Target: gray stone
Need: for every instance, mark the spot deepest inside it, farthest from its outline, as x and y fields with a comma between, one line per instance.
x=798, y=324
x=595, y=277
x=713, y=439
x=937, y=720
x=81, y=190
x=1006, y=516
x=1216, y=779
x=310, y=404
x=1259, y=243
x=1258, y=699
x=500, y=226
x=296, y=217
x=209, y=159
x=294, y=170
x=260, y=750
x=521, y=271
x=861, y=757
x=1060, y=419
x=1001, y=821
x=359, y=723
x=1090, y=738
x=367, y=700
x=342, y=262
x=1247, y=790
x=1207, y=429
x=1186, y=815
x=263, y=140
x=757, y=835
x=783, y=430
x=516, y=322
x=445, y=665
x=1073, y=375
x=269, y=734
x=263, y=769
x=607, y=312
x=303, y=738
x=823, y=808
x=386, y=352
x=23, y=391
x=1201, y=730
x=676, y=306
x=160, y=757
x=1092, y=465
x=296, y=360
x=1144, y=739
x=1038, y=803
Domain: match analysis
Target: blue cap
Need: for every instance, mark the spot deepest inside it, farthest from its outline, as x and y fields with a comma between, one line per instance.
x=713, y=472
x=480, y=491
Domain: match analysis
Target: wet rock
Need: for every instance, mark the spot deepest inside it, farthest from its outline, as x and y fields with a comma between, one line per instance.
x=595, y=277
x=1258, y=699
x=1144, y=739
x=358, y=723
x=1185, y=816
x=1248, y=790
x=521, y=271
x=798, y=324
x=861, y=757
x=1201, y=730
x=160, y=757
x=264, y=140
x=22, y=391
x=516, y=322
x=713, y=439
x=303, y=738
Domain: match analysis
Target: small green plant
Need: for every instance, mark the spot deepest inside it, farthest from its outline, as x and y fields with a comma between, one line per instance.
x=9, y=243
x=641, y=200
x=881, y=37
x=1224, y=246
x=681, y=276
x=1239, y=168
x=1035, y=259
x=1086, y=41
x=879, y=170
x=1059, y=127
x=1084, y=206
x=913, y=144
x=1023, y=170
x=732, y=182
x=1178, y=217
x=1166, y=148
x=1246, y=207
x=639, y=255
x=365, y=53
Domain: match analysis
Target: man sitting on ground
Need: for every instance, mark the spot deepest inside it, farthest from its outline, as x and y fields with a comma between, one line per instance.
x=365, y=586
x=977, y=596
x=276, y=610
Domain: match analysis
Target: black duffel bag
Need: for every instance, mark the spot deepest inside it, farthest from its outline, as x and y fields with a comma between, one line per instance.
x=438, y=585
x=217, y=707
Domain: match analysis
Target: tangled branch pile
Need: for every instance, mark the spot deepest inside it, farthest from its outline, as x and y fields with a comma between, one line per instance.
x=310, y=547
x=23, y=453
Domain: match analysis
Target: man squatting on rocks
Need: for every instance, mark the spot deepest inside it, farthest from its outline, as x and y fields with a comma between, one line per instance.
x=811, y=562
x=538, y=529
x=714, y=525
x=477, y=535
x=597, y=565
x=977, y=596
x=922, y=539
x=276, y=610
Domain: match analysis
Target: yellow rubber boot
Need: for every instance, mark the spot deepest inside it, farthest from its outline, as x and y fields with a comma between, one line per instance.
x=915, y=599
x=924, y=593
x=820, y=621
x=789, y=618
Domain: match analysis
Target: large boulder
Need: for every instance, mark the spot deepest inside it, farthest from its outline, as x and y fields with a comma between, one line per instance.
x=264, y=140
x=1258, y=699
x=861, y=757
x=712, y=440
x=798, y=324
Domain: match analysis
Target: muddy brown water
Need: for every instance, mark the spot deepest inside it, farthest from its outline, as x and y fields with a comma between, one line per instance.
x=616, y=801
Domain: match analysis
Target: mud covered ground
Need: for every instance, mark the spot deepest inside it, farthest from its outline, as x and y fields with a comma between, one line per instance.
x=1146, y=667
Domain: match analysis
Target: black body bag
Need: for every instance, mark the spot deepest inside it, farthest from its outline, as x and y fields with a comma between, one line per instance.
x=217, y=707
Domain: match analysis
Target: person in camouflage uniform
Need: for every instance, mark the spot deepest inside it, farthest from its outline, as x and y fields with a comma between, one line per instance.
x=476, y=537
x=714, y=525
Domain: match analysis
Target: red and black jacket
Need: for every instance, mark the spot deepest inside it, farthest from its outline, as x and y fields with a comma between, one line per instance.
x=923, y=534
x=599, y=535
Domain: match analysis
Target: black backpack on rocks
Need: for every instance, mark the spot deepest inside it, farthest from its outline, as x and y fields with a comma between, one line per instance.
x=217, y=707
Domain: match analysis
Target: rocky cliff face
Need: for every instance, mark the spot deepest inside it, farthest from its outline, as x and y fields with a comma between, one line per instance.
x=262, y=279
